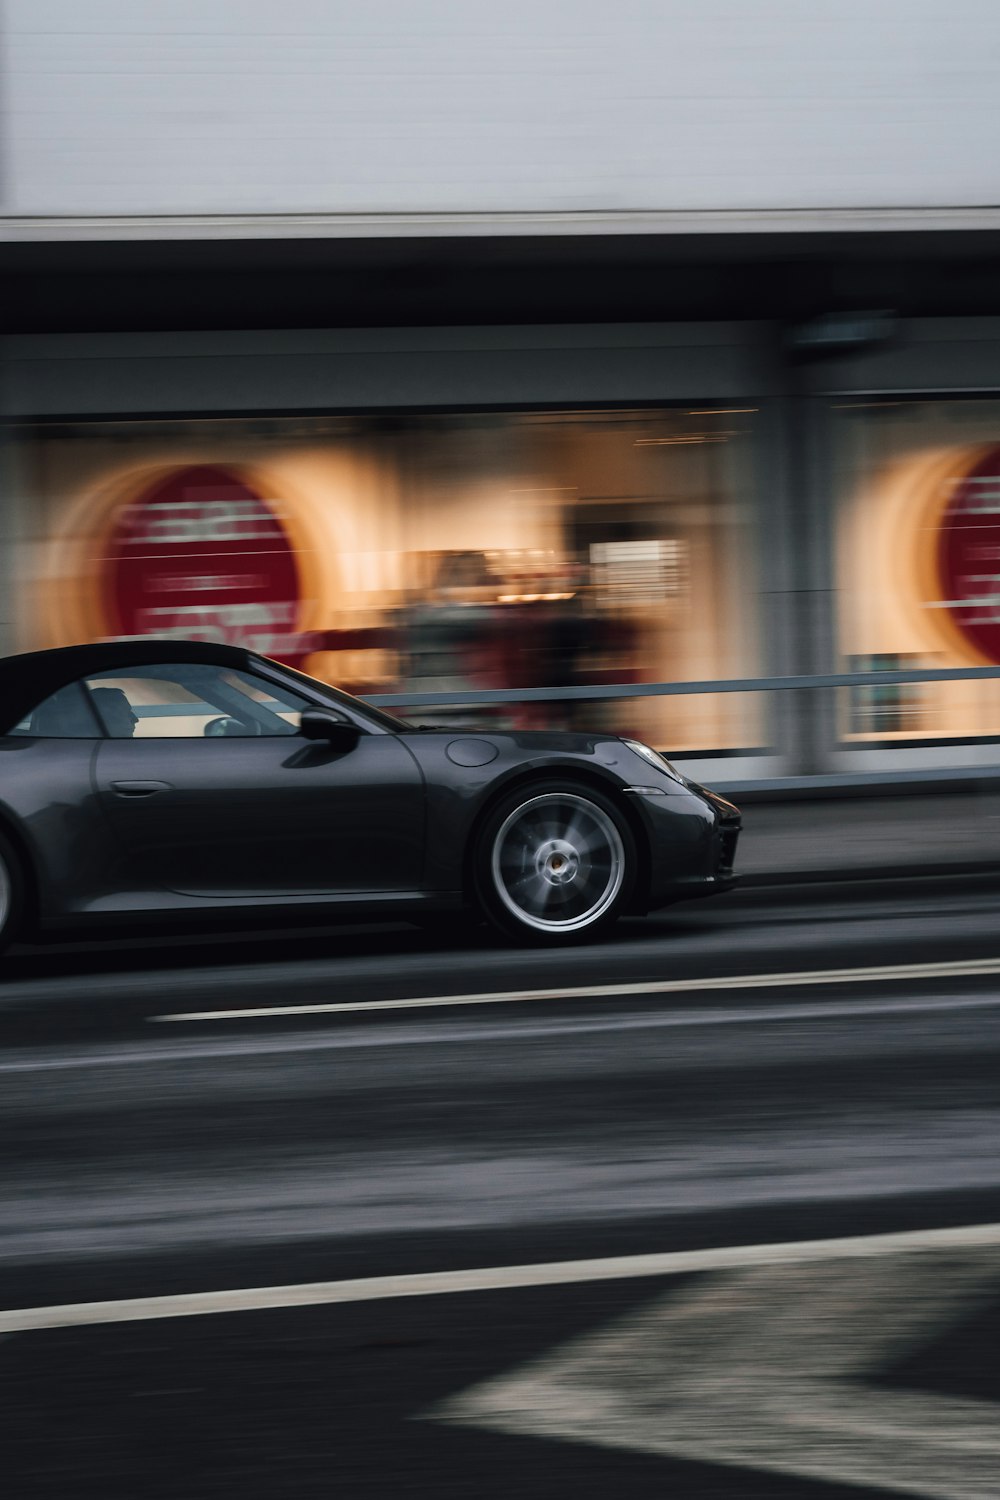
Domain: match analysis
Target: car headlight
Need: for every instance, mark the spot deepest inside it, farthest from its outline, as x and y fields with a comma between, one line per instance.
x=655, y=759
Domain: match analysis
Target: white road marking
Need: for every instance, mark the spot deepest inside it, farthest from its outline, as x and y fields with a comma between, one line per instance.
x=963, y=968
x=49, y=1060
x=501, y=1278
x=765, y=1369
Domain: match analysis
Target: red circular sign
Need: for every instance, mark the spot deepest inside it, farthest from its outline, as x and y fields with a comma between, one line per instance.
x=968, y=547
x=200, y=556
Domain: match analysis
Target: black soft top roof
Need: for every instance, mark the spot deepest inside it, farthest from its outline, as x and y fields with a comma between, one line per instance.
x=25, y=681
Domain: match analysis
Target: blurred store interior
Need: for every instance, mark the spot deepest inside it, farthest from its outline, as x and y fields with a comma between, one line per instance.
x=428, y=553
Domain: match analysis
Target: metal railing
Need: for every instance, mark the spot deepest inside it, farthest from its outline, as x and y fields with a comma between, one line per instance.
x=805, y=780
x=597, y=692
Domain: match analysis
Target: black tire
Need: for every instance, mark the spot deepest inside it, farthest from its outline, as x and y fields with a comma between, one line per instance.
x=11, y=894
x=554, y=862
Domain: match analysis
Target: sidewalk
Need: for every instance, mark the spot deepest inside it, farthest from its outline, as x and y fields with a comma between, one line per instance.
x=867, y=837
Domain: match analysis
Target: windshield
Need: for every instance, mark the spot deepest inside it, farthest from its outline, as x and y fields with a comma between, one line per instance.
x=385, y=721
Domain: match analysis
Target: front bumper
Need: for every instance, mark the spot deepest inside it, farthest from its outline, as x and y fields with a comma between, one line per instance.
x=693, y=842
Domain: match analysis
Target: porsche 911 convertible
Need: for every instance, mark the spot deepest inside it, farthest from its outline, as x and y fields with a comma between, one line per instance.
x=158, y=779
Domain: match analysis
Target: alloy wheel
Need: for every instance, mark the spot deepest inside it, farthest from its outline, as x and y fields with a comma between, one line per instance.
x=558, y=862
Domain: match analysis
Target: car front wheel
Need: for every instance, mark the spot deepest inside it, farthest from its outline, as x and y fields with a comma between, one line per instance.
x=555, y=863
x=11, y=894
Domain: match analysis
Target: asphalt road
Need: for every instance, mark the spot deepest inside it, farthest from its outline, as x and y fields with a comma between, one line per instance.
x=146, y=1155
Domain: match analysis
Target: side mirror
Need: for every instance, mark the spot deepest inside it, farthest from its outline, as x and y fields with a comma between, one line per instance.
x=324, y=724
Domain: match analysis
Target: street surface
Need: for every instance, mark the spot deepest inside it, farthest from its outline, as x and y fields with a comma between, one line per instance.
x=167, y=1134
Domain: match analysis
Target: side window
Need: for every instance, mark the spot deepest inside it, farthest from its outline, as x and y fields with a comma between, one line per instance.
x=65, y=715
x=279, y=701
x=189, y=700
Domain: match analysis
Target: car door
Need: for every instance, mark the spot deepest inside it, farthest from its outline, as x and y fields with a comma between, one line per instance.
x=212, y=792
x=47, y=783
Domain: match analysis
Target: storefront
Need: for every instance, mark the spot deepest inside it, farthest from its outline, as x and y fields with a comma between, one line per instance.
x=418, y=512
x=908, y=504
x=918, y=560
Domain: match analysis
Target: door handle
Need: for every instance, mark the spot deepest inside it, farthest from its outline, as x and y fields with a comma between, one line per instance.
x=139, y=788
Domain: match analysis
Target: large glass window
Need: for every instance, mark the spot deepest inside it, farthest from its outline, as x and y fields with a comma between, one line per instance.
x=418, y=554
x=918, y=564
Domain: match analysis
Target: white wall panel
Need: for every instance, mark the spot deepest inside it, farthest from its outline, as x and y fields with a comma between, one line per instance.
x=230, y=107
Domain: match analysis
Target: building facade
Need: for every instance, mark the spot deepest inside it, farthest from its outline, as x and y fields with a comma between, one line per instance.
x=449, y=352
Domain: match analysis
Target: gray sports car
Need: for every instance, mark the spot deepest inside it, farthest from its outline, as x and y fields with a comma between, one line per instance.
x=166, y=779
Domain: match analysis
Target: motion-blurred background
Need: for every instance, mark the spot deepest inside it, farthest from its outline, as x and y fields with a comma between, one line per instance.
x=544, y=363
x=455, y=347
